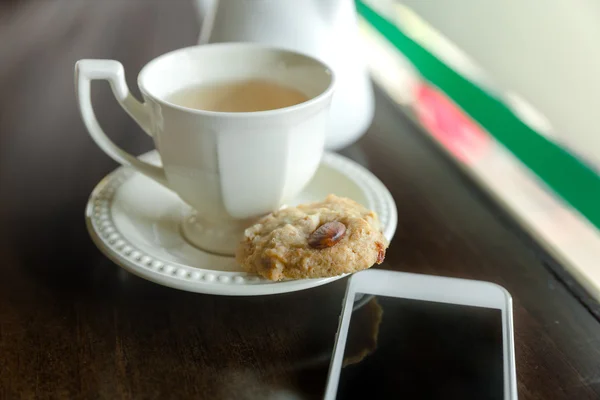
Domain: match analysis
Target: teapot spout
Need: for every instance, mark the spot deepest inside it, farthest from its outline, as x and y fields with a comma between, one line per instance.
x=206, y=14
x=204, y=6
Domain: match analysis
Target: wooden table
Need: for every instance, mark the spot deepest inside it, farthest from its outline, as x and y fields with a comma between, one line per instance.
x=74, y=325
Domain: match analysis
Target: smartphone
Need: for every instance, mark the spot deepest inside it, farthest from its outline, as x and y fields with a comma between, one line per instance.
x=411, y=336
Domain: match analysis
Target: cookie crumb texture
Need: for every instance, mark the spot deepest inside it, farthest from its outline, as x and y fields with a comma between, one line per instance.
x=277, y=246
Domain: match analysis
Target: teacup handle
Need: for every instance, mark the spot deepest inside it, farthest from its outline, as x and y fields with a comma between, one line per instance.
x=113, y=72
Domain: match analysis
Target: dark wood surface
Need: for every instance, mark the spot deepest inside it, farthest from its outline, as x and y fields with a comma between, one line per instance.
x=74, y=325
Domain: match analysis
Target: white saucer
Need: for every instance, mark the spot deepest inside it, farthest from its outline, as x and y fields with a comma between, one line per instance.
x=136, y=223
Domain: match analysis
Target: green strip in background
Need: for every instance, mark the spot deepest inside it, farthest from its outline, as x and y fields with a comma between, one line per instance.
x=566, y=175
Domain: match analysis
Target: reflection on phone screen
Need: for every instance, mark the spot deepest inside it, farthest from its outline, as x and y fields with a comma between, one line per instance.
x=412, y=349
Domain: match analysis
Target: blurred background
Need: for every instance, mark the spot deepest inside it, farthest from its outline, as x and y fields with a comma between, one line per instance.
x=41, y=41
x=510, y=91
x=543, y=50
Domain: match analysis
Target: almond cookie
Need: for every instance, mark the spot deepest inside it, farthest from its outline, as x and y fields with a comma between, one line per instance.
x=328, y=238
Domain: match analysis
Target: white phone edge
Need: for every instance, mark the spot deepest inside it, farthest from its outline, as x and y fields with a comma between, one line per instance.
x=426, y=288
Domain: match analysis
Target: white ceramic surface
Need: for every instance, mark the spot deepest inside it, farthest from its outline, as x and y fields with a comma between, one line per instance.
x=229, y=166
x=136, y=223
x=324, y=29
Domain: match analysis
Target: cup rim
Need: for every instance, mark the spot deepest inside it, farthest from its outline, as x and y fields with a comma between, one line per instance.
x=246, y=114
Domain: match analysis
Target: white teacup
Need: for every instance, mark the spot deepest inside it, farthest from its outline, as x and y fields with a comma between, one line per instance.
x=230, y=167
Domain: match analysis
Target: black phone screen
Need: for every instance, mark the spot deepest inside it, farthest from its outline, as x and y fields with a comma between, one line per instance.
x=411, y=349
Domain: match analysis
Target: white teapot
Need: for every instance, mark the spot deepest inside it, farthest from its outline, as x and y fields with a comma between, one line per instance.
x=324, y=29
